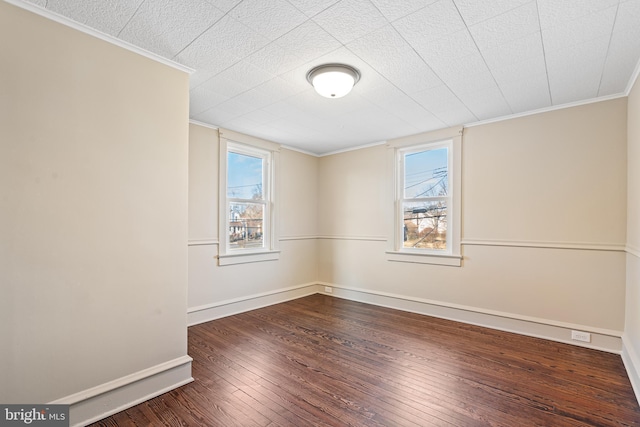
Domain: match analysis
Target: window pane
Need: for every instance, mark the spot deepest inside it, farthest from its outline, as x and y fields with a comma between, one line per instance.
x=245, y=225
x=244, y=176
x=425, y=225
x=425, y=173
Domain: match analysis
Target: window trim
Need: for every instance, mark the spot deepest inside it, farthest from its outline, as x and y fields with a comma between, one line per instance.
x=452, y=138
x=234, y=142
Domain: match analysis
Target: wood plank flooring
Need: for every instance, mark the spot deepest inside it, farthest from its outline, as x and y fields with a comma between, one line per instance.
x=324, y=361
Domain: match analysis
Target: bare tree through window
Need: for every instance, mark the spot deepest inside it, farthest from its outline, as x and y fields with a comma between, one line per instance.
x=426, y=193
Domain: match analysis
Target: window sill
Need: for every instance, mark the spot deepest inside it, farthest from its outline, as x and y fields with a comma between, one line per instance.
x=247, y=257
x=428, y=258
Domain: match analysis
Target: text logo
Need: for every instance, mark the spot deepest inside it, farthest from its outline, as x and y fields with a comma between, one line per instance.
x=34, y=415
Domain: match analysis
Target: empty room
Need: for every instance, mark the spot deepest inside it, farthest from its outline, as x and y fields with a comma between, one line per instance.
x=320, y=213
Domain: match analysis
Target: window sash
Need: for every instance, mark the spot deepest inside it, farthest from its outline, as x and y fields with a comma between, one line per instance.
x=401, y=200
x=264, y=201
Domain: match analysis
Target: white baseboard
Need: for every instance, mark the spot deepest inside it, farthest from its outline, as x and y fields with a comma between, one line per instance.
x=601, y=339
x=632, y=365
x=208, y=312
x=99, y=402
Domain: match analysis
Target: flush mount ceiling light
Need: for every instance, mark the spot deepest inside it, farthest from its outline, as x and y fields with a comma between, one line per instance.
x=333, y=80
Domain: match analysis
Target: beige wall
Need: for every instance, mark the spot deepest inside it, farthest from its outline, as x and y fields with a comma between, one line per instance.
x=555, y=177
x=93, y=206
x=296, y=192
x=632, y=321
x=352, y=194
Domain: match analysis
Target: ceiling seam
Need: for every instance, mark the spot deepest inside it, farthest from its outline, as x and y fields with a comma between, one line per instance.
x=130, y=18
x=606, y=58
x=393, y=84
x=207, y=29
x=544, y=53
x=482, y=56
x=436, y=74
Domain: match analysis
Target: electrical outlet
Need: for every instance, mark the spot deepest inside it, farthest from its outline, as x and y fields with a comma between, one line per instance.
x=581, y=336
x=328, y=289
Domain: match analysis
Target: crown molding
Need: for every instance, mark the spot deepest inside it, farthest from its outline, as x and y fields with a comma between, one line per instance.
x=204, y=125
x=546, y=110
x=633, y=79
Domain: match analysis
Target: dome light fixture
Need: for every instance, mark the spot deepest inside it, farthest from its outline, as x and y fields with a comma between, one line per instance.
x=333, y=80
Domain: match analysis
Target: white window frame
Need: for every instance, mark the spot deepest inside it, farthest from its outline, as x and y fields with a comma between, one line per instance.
x=269, y=152
x=452, y=140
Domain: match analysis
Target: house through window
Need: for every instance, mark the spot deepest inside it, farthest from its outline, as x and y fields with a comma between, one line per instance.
x=247, y=198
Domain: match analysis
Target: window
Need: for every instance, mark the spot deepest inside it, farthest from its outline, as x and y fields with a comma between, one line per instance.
x=247, y=232
x=426, y=227
x=247, y=197
x=425, y=197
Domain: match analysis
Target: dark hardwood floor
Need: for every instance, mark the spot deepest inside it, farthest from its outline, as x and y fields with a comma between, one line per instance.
x=324, y=361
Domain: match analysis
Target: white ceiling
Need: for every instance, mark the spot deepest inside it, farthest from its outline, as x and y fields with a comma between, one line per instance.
x=425, y=64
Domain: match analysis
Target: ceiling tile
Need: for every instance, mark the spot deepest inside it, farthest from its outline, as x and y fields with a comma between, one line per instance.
x=486, y=103
x=308, y=41
x=246, y=74
x=261, y=117
x=207, y=58
x=520, y=70
x=312, y=7
x=201, y=99
x=221, y=46
x=268, y=93
x=456, y=116
x=106, y=16
x=514, y=51
x=514, y=24
x=350, y=19
x=168, y=26
x=474, y=11
x=432, y=22
x=380, y=125
x=215, y=116
x=464, y=74
x=306, y=121
x=396, y=102
x=442, y=50
x=407, y=70
x=281, y=109
x=445, y=105
x=316, y=106
x=275, y=59
x=224, y=5
x=224, y=86
x=554, y=13
x=235, y=37
x=241, y=122
x=575, y=72
x=232, y=109
x=624, y=49
x=271, y=18
x=200, y=76
x=527, y=94
x=583, y=29
x=394, y=9
x=619, y=67
x=461, y=82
